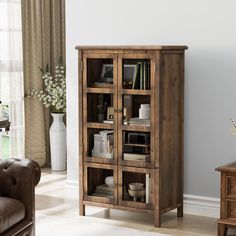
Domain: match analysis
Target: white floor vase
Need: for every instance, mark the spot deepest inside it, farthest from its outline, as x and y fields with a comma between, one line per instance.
x=58, y=142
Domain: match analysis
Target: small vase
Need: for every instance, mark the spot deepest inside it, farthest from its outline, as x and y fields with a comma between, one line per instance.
x=58, y=142
x=101, y=118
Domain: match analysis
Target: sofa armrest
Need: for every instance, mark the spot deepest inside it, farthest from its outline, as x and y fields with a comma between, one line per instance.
x=18, y=178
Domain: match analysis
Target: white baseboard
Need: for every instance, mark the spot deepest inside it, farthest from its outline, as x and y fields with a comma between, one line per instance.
x=201, y=206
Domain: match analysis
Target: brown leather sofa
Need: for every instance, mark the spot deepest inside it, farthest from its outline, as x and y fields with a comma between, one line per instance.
x=18, y=179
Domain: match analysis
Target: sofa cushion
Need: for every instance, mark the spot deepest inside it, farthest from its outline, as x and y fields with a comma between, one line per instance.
x=11, y=212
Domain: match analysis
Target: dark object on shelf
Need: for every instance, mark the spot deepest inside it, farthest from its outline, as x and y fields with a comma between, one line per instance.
x=138, y=138
x=18, y=179
x=136, y=148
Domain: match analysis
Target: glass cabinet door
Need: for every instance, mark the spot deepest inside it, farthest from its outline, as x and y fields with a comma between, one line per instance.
x=100, y=183
x=99, y=104
x=135, y=110
x=136, y=187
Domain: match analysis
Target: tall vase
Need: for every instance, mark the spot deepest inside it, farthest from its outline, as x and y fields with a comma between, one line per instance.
x=58, y=142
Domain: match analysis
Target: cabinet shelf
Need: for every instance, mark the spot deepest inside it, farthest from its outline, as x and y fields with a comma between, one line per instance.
x=94, y=125
x=139, y=128
x=136, y=144
x=136, y=92
x=99, y=90
x=99, y=160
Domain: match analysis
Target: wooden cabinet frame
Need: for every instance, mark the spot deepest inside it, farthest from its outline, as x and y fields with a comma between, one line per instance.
x=120, y=186
x=166, y=130
x=87, y=197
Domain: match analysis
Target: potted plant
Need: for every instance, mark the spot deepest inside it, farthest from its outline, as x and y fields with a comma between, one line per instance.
x=54, y=97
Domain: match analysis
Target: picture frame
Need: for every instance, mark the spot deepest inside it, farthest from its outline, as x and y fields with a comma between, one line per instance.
x=107, y=72
x=129, y=71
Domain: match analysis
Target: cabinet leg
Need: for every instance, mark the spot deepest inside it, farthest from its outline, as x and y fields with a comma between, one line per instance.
x=180, y=211
x=157, y=219
x=82, y=210
x=222, y=229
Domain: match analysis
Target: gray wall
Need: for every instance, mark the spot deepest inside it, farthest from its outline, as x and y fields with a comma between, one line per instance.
x=208, y=28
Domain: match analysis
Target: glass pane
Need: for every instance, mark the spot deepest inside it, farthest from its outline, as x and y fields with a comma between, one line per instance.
x=4, y=45
x=100, y=182
x=11, y=86
x=5, y=146
x=16, y=142
x=100, y=143
x=4, y=11
x=99, y=72
x=15, y=13
x=136, y=110
x=10, y=13
x=136, y=146
x=136, y=187
x=136, y=74
x=100, y=107
x=10, y=46
x=16, y=114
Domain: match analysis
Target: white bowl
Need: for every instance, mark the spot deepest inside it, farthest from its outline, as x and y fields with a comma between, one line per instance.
x=136, y=186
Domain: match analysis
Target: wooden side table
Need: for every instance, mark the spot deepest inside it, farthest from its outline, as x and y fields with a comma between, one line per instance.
x=227, y=198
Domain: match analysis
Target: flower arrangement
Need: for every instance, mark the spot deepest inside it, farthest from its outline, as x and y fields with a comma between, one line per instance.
x=54, y=94
x=234, y=127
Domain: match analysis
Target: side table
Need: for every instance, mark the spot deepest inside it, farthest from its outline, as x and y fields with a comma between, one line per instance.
x=227, y=198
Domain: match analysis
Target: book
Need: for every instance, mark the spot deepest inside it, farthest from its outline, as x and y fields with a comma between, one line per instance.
x=138, y=121
x=136, y=157
x=136, y=80
x=108, y=121
x=141, y=76
x=102, y=195
x=147, y=189
x=148, y=76
x=104, y=189
x=144, y=75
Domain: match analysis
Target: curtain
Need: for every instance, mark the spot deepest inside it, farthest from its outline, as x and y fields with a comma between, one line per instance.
x=11, y=78
x=43, y=29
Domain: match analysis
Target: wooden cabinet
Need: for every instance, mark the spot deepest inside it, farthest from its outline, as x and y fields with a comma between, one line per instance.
x=228, y=198
x=131, y=104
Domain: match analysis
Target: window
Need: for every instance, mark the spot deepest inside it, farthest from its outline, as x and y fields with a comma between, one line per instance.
x=11, y=78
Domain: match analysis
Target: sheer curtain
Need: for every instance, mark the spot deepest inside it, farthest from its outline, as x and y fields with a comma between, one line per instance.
x=11, y=77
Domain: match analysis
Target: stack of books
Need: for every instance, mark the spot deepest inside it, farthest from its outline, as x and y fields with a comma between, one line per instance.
x=103, y=144
x=141, y=78
x=104, y=191
x=136, y=157
x=138, y=121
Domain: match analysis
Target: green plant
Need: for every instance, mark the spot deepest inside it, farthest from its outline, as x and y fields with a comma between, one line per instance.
x=54, y=94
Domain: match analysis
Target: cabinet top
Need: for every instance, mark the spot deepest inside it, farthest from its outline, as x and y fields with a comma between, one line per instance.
x=131, y=47
x=230, y=167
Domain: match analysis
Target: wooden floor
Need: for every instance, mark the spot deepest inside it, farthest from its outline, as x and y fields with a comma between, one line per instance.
x=52, y=198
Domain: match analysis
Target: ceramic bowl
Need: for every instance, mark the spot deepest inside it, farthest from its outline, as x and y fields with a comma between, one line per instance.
x=136, y=186
x=109, y=181
x=135, y=194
